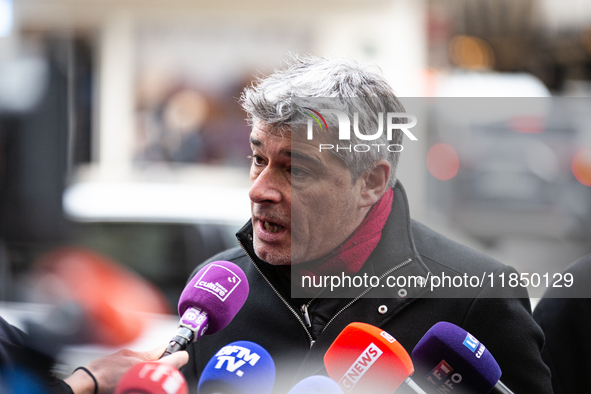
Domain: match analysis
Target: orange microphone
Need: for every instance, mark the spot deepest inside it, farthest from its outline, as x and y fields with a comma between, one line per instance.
x=366, y=359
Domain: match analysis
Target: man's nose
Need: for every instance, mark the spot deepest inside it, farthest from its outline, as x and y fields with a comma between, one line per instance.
x=267, y=187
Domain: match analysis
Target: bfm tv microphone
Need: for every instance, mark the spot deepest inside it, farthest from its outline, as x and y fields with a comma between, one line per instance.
x=152, y=378
x=209, y=302
x=241, y=367
x=366, y=359
x=453, y=361
x=317, y=384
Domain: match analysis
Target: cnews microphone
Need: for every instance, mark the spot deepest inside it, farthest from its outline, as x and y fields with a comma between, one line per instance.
x=366, y=359
x=241, y=367
x=317, y=384
x=209, y=302
x=152, y=378
x=450, y=358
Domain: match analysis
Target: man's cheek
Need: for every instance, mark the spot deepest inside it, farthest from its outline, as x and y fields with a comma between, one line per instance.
x=298, y=229
x=297, y=236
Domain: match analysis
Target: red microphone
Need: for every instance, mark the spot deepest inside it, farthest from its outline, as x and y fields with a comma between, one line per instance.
x=366, y=359
x=152, y=378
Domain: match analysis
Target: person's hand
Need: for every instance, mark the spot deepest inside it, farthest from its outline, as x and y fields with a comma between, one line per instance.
x=108, y=370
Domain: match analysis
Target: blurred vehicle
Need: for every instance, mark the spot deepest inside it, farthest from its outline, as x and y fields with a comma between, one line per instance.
x=515, y=145
x=160, y=230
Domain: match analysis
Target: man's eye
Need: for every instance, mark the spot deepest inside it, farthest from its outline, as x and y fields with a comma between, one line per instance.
x=298, y=173
x=256, y=160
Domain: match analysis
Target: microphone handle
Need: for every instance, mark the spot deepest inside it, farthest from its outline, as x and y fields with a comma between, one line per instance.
x=415, y=387
x=193, y=325
x=500, y=388
x=180, y=341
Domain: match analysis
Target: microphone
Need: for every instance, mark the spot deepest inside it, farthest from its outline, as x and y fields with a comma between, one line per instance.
x=317, y=384
x=152, y=378
x=20, y=380
x=241, y=367
x=365, y=358
x=209, y=302
x=450, y=358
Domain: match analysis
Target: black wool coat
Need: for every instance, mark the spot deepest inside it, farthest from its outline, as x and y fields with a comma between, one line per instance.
x=565, y=317
x=271, y=318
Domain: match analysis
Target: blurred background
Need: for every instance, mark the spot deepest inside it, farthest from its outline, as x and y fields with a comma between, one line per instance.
x=121, y=139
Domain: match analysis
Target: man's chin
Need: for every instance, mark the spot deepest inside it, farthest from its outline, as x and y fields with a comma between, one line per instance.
x=272, y=256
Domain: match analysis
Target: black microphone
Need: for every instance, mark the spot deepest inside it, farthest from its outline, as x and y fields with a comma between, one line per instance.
x=500, y=388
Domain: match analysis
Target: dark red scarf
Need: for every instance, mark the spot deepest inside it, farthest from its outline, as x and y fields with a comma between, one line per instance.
x=350, y=256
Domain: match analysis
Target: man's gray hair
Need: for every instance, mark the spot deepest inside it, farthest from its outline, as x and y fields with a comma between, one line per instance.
x=279, y=101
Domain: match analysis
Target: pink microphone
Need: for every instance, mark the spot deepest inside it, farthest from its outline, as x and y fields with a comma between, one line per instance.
x=152, y=378
x=209, y=302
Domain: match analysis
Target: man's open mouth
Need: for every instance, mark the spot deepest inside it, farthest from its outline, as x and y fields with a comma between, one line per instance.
x=272, y=227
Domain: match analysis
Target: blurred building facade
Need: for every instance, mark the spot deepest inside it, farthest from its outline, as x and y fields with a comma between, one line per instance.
x=549, y=39
x=139, y=96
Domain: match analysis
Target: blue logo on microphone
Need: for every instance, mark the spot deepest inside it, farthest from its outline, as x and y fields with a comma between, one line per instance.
x=471, y=343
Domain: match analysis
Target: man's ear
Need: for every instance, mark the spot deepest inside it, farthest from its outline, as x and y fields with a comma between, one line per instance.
x=375, y=183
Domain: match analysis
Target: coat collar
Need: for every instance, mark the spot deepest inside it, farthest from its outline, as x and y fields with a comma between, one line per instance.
x=396, y=247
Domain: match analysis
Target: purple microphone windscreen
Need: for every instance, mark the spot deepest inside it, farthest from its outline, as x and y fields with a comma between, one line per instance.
x=449, y=358
x=219, y=289
x=317, y=384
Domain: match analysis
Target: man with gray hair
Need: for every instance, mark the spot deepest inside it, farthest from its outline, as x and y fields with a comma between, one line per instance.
x=325, y=206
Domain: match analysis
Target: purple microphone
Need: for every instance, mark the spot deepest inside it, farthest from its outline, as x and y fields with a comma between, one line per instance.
x=449, y=358
x=209, y=302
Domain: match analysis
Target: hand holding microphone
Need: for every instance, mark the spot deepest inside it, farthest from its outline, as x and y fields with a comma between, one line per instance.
x=366, y=359
x=209, y=302
x=103, y=374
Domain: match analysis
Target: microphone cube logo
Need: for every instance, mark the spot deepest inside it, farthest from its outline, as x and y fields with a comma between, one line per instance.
x=471, y=342
x=388, y=337
x=194, y=317
x=218, y=280
x=234, y=357
x=367, y=358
